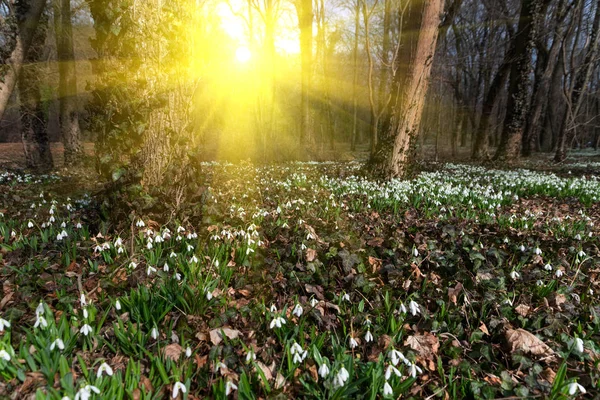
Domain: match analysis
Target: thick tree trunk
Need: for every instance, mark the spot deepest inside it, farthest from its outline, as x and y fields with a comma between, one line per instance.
x=67, y=86
x=355, y=78
x=582, y=79
x=391, y=159
x=26, y=31
x=304, y=9
x=519, y=83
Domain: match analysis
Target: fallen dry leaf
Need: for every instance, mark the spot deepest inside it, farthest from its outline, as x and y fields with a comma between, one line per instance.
x=426, y=345
x=216, y=335
x=454, y=292
x=173, y=351
x=484, y=329
x=521, y=340
x=375, y=263
x=522, y=310
x=311, y=254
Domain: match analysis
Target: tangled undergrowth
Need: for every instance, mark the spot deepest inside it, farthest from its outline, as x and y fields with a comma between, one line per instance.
x=306, y=281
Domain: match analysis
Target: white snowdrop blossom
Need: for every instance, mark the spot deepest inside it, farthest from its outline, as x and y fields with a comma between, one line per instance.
x=415, y=252
x=229, y=387
x=559, y=273
x=154, y=333
x=368, y=337
x=537, y=251
x=132, y=265
x=579, y=345
x=150, y=270
x=522, y=248
x=395, y=357
x=140, y=223
x=166, y=267
x=277, y=322
x=172, y=255
x=391, y=370
x=39, y=310
x=250, y=356
x=4, y=324
x=575, y=387
x=298, y=353
x=414, y=308
x=188, y=352
x=403, y=309
x=581, y=254
x=413, y=369
x=323, y=370
x=353, y=342
x=86, y=329
x=346, y=297
x=194, y=259
x=273, y=308
x=4, y=355
x=104, y=368
x=313, y=302
x=548, y=267
x=40, y=322
x=515, y=275
x=177, y=387
x=57, y=343
x=85, y=393
x=341, y=377
x=118, y=305
x=387, y=389
x=298, y=310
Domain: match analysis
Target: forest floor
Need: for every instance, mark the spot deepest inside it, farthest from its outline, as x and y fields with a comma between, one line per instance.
x=305, y=280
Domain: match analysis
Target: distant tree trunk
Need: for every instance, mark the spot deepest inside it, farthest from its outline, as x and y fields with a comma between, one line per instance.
x=304, y=9
x=391, y=159
x=67, y=86
x=26, y=31
x=355, y=78
x=519, y=82
x=34, y=129
x=581, y=82
x=555, y=101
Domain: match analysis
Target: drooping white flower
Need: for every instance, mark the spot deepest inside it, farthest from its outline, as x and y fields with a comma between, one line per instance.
x=395, y=356
x=150, y=270
x=548, y=267
x=166, y=267
x=178, y=386
x=57, y=343
x=229, y=387
x=30, y=224
x=194, y=259
x=4, y=324
x=273, y=308
x=346, y=297
x=39, y=310
x=353, y=342
x=188, y=352
x=414, y=308
x=537, y=251
x=40, y=322
x=387, y=389
x=413, y=369
x=323, y=370
x=341, y=377
x=575, y=387
x=391, y=370
x=581, y=254
x=118, y=305
x=277, y=322
x=4, y=355
x=559, y=273
x=415, y=252
x=402, y=308
x=154, y=333
x=579, y=345
x=140, y=223
x=85, y=393
x=86, y=329
x=250, y=356
x=104, y=368
x=313, y=302
x=514, y=275
x=298, y=310
x=368, y=337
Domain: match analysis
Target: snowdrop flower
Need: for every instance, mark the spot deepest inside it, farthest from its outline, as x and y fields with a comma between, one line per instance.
x=341, y=377
x=30, y=224
x=415, y=252
x=323, y=370
x=313, y=302
x=177, y=276
x=581, y=253
x=57, y=343
x=414, y=308
x=86, y=329
x=559, y=273
x=353, y=342
x=178, y=386
x=154, y=333
x=368, y=337
x=249, y=250
x=579, y=345
x=346, y=297
x=85, y=393
x=78, y=226
x=172, y=255
x=391, y=370
x=140, y=223
x=540, y=282
x=132, y=265
x=41, y=322
x=548, y=267
x=574, y=387
x=395, y=356
x=4, y=324
x=273, y=308
x=387, y=389
x=85, y=313
x=149, y=245
x=166, y=267
x=209, y=294
x=180, y=229
x=515, y=275
x=537, y=251
x=118, y=242
x=194, y=259
x=402, y=308
x=413, y=369
x=250, y=356
x=522, y=248
x=120, y=250
x=188, y=352
x=150, y=270
x=578, y=237
x=229, y=387
x=104, y=368
x=4, y=355
x=298, y=310
x=277, y=322
x=97, y=249
x=118, y=305
x=190, y=247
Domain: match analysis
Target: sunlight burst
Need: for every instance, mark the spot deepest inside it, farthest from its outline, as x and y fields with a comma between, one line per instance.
x=243, y=54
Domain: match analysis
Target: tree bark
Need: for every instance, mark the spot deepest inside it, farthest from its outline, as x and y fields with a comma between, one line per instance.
x=519, y=83
x=355, y=78
x=304, y=9
x=391, y=160
x=582, y=79
x=26, y=31
x=67, y=85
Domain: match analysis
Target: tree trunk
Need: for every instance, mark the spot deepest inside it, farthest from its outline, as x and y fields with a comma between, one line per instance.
x=581, y=79
x=391, y=160
x=519, y=83
x=304, y=9
x=355, y=78
x=26, y=31
x=67, y=86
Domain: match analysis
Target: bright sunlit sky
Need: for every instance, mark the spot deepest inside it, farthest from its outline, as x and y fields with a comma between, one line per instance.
x=287, y=36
